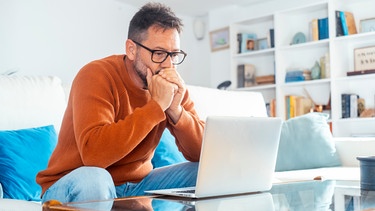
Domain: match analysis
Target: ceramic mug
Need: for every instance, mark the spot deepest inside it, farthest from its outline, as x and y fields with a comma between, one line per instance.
x=367, y=169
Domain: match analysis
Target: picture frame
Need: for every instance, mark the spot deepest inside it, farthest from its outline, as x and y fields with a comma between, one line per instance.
x=262, y=44
x=219, y=39
x=364, y=58
x=247, y=42
x=367, y=25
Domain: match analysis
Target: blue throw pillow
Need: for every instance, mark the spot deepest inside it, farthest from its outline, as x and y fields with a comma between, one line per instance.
x=306, y=142
x=166, y=152
x=23, y=153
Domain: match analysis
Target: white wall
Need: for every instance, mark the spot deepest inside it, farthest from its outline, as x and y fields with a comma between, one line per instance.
x=44, y=37
x=195, y=70
x=58, y=37
x=220, y=60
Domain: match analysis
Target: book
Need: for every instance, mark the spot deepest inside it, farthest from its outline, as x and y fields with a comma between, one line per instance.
x=297, y=75
x=349, y=105
x=303, y=105
x=353, y=105
x=239, y=42
x=345, y=105
x=314, y=29
x=294, y=79
x=350, y=22
x=266, y=79
x=287, y=106
x=245, y=75
x=343, y=23
x=296, y=105
x=273, y=107
x=339, y=31
x=323, y=28
x=292, y=106
x=272, y=38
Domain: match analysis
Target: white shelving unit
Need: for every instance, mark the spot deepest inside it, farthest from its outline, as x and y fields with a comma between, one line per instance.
x=285, y=56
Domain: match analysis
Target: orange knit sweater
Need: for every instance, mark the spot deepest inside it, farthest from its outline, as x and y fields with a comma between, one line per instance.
x=112, y=124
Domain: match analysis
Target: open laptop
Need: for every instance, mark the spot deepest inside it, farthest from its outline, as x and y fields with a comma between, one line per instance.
x=238, y=156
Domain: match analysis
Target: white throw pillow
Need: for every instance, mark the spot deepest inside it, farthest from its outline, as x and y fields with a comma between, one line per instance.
x=31, y=101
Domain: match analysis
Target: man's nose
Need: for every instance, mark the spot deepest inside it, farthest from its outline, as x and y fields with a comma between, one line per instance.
x=167, y=62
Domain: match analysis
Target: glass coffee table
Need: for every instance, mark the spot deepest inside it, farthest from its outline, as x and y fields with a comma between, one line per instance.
x=306, y=195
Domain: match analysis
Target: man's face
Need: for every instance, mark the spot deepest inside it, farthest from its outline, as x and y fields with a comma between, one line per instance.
x=157, y=39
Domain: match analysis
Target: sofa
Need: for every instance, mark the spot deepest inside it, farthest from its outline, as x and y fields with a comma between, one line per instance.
x=32, y=107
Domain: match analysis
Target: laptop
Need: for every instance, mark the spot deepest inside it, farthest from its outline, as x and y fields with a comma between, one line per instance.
x=238, y=156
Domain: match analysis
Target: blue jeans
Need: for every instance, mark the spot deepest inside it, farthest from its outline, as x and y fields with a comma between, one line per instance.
x=93, y=183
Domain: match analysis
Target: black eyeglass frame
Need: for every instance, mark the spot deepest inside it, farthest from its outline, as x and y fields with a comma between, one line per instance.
x=170, y=54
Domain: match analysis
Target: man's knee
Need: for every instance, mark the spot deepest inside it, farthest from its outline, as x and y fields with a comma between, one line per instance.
x=93, y=183
x=92, y=178
x=83, y=184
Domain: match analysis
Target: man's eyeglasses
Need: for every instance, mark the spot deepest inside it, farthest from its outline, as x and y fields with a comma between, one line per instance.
x=159, y=56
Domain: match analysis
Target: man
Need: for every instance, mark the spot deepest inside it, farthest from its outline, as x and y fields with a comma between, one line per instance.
x=118, y=108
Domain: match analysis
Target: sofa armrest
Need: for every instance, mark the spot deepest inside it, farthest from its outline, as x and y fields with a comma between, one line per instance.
x=350, y=148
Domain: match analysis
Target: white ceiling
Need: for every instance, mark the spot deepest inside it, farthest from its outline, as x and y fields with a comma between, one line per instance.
x=194, y=7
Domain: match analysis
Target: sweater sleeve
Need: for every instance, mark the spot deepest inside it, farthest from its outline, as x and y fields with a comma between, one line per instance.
x=188, y=131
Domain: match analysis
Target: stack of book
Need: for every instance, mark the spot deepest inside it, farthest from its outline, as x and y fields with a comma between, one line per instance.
x=349, y=105
x=266, y=79
x=296, y=106
x=271, y=108
x=297, y=75
x=345, y=23
x=319, y=29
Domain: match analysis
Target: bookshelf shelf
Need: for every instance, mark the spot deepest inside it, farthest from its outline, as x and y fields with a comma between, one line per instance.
x=319, y=43
x=356, y=77
x=303, y=83
x=356, y=37
x=336, y=52
x=358, y=119
x=269, y=51
x=257, y=88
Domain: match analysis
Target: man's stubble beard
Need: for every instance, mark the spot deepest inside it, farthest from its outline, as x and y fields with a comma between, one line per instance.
x=141, y=70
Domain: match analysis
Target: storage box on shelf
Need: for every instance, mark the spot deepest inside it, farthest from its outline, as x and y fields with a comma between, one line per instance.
x=296, y=49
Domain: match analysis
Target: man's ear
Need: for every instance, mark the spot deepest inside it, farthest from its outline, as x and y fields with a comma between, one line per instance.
x=131, y=49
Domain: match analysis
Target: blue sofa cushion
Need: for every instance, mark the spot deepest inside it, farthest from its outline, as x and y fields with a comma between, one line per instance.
x=23, y=153
x=305, y=143
x=166, y=152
